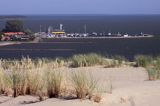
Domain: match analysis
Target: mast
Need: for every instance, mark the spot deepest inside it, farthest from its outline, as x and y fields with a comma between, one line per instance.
x=40, y=28
x=61, y=27
x=85, y=29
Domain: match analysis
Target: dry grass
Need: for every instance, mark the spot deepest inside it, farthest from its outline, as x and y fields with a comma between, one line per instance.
x=83, y=83
x=4, y=84
x=87, y=60
x=27, y=76
x=97, y=98
x=54, y=82
x=44, y=77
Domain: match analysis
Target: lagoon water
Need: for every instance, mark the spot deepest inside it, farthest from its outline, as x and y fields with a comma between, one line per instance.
x=131, y=24
x=66, y=47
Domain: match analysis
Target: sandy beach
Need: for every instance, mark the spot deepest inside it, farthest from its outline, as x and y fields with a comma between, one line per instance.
x=123, y=86
x=8, y=43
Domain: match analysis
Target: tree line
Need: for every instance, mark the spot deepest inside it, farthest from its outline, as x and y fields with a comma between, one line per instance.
x=15, y=26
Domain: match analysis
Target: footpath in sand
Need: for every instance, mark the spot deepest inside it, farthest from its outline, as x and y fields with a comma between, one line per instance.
x=128, y=86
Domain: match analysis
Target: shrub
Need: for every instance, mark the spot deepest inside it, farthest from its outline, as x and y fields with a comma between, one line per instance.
x=83, y=83
x=142, y=60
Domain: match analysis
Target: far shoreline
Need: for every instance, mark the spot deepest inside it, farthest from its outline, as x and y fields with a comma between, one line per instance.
x=152, y=36
x=5, y=43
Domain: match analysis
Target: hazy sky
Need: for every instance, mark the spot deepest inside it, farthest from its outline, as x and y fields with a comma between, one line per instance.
x=79, y=6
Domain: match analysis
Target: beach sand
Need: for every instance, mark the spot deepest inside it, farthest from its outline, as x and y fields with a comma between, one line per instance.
x=8, y=43
x=123, y=86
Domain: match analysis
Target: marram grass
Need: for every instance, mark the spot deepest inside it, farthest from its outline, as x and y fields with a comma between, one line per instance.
x=143, y=61
x=41, y=78
x=84, y=84
x=44, y=77
x=85, y=60
x=54, y=82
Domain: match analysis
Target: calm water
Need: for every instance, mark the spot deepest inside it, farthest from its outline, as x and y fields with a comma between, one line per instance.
x=67, y=47
x=132, y=24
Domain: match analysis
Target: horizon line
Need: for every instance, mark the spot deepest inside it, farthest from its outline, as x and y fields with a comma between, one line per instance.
x=69, y=14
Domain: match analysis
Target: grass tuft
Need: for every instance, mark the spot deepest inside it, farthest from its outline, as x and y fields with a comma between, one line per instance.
x=87, y=60
x=152, y=73
x=84, y=84
x=54, y=82
x=142, y=60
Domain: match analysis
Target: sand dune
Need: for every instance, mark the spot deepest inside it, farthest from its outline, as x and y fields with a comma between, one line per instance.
x=124, y=86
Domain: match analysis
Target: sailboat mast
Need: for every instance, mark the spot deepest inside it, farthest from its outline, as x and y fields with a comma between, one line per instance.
x=85, y=28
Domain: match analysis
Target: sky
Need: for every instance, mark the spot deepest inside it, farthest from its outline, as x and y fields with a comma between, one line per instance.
x=79, y=7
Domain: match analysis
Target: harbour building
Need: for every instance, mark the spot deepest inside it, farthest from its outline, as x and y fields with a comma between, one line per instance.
x=57, y=32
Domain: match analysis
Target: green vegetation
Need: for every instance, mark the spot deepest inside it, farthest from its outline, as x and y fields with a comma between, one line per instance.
x=157, y=64
x=151, y=64
x=13, y=26
x=28, y=32
x=143, y=61
x=93, y=59
x=1, y=35
x=152, y=73
x=87, y=60
x=116, y=61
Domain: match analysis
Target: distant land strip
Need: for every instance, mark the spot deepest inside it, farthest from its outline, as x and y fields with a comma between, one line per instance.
x=61, y=42
x=37, y=50
x=12, y=16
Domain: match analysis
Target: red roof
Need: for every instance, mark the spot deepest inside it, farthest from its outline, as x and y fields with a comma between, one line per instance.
x=14, y=33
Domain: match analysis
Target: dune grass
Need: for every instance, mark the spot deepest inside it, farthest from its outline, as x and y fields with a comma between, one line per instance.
x=143, y=61
x=158, y=66
x=44, y=77
x=84, y=84
x=152, y=73
x=151, y=64
x=41, y=77
x=54, y=82
x=86, y=60
x=2, y=82
x=115, y=61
